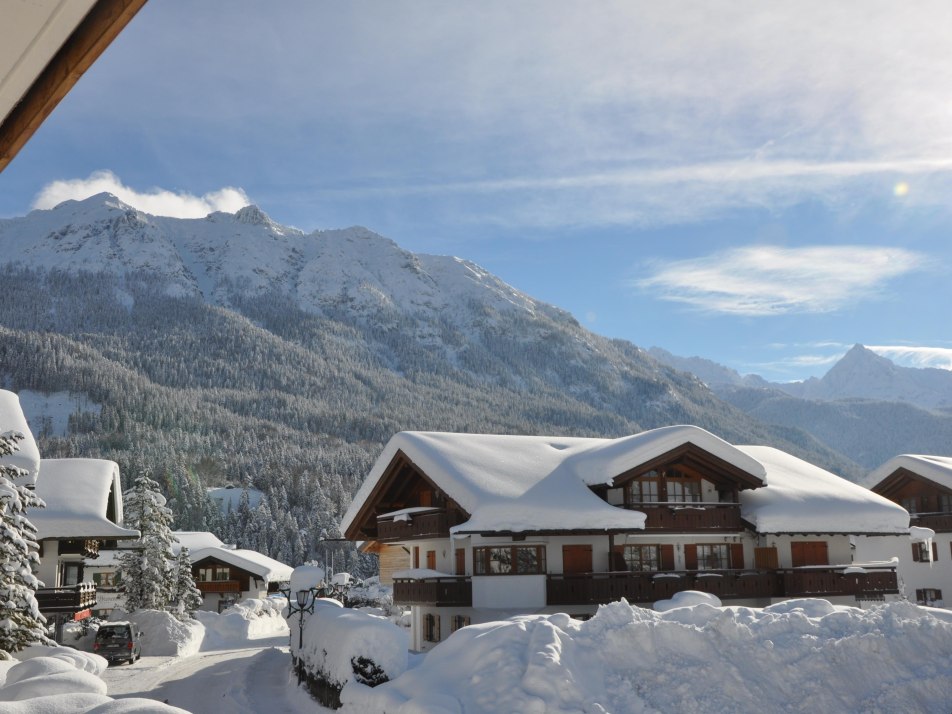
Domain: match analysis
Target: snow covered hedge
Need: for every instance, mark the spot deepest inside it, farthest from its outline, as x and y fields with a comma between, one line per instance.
x=797, y=656
x=344, y=649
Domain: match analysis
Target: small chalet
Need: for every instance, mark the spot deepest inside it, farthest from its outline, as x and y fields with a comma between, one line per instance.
x=226, y=574
x=474, y=527
x=923, y=486
x=83, y=509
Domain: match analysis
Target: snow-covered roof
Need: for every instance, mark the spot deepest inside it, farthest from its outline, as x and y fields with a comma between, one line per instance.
x=28, y=455
x=268, y=569
x=196, y=540
x=802, y=498
x=937, y=469
x=77, y=493
x=525, y=483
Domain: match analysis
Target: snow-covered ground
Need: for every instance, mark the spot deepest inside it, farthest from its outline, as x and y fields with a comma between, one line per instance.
x=693, y=656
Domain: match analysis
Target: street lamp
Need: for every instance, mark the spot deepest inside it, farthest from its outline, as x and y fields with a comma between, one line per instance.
x=303, y=603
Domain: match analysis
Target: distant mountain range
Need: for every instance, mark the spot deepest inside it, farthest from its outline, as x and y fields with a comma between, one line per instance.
x=232, y=349
x=865, y=406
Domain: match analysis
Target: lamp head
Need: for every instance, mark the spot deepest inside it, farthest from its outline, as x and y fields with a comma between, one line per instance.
x=302, y=597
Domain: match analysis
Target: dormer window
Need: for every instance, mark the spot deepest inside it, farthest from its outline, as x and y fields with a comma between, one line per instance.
x=668, y=486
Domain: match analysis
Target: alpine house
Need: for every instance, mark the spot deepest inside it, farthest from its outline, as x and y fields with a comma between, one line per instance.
x=488, y=526
x=923, y=486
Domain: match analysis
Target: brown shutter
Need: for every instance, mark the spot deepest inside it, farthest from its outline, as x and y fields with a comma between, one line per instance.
x=916, y=552
x=690, y=557
x=416, y=556
x=737, y=556
x=667, y=557
x=461, y=561
x=935, y=551
x=618, y=558
x=431, y=559
x=766, y=558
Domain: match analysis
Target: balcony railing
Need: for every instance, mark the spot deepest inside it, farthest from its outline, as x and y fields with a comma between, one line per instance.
x=690, y=517
x=73, y=598
x=218, y=586
x=598, y=588
x=939, y=522
x=431, y=524
x=433, y=591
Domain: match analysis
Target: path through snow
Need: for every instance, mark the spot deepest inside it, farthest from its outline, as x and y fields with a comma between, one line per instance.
x=240, y=678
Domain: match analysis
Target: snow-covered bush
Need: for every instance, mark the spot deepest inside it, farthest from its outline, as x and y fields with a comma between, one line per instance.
x=245, y=620
x=345, y=648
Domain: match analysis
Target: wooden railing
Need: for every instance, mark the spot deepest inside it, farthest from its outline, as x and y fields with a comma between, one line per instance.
x=433, y=591
x=598, y=588
x=431, y=524
x=939, y=522
x=690, y=517
x=218, y=586
x=66, y=599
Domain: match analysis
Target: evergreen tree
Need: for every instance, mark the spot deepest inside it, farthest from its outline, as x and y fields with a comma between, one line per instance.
x=21, y=623
x=186, y=598
x=148, y=567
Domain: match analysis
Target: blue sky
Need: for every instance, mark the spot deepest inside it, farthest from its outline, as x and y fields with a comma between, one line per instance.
x=759, y=185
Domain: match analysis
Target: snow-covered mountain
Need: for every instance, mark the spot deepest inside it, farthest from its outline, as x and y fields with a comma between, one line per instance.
x=863, y=374
x=247, y=253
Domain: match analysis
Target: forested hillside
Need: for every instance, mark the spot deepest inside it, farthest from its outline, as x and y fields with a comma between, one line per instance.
x=296, y=398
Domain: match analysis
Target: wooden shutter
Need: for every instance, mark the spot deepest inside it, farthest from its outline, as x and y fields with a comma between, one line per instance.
x=690, y=557
x=431, y=559
x=810, y=552
x=416, y=556
x=461, y=561
x=576, y=559
x=766, y=558
x=618, y=558
x=737, y=556
x=667, y=556
x=935, y=551
x=916, y=553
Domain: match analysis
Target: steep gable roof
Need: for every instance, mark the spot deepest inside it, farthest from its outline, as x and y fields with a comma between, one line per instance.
x=937, y=469
x=82, y=498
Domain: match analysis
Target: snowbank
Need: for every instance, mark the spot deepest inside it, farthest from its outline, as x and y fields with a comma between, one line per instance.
x=802, y=655
x=61, y=680
x=249, y=619
x=162, y=634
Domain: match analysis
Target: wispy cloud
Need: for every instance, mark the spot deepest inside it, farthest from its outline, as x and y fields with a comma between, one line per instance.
x=916, y=356
x=769, y=280
x=156, y=201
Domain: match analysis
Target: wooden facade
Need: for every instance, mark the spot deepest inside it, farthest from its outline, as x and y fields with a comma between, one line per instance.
x=929, y=504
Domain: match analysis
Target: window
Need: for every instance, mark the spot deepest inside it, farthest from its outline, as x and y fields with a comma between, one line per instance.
x=645, y=489
x=945, y=502
x=642, y=558
x=213, y=573
x=929, y=596
x=459, y=622
x=910, y=504
x=684, y=490
x=509, y=560
x=920, y=552
x=713, y=556
x=106, y=579
x=71, y=574
x=431, y=628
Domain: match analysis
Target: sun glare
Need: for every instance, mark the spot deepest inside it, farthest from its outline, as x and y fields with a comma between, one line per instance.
x=901, y=189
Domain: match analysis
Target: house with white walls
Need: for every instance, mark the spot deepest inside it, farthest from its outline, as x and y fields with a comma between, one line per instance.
x=493, y=526
x=923, y=486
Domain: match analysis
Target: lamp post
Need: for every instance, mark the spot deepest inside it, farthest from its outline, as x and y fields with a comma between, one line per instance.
x=302, y=603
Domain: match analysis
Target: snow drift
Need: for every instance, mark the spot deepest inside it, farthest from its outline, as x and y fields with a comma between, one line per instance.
x=800, y=655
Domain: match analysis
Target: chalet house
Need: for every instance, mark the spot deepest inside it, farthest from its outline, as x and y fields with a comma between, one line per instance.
x=494, y=526
x=923, y=486
x=226, y=574
x=83, y=509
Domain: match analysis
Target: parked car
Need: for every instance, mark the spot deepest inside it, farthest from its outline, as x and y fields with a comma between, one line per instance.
x=118, y=642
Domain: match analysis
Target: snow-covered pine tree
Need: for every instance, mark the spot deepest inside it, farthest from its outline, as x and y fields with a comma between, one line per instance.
x=21, y=623
x=186, y=598
x=147, y=568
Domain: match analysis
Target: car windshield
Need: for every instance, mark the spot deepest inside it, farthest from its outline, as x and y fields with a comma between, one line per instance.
x=113, y=633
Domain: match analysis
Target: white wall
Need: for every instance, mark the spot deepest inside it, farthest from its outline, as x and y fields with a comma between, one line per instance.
x=509, y=591
x=912, y=575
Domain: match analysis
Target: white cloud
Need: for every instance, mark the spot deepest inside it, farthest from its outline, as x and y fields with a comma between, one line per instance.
x=916, y=356
x=156, y=201
x=769, y=280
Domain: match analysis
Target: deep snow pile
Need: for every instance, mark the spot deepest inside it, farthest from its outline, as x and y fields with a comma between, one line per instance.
x=61, y=680
x=246, y=620
x=163, y=634
x=797, y=656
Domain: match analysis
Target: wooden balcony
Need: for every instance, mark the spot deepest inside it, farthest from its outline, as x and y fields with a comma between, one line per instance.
x=690, y=517
x=433, y=591
x=599, y=588
x=70, y=599
x=939, y=522
x=218, y=586
x=430, y=524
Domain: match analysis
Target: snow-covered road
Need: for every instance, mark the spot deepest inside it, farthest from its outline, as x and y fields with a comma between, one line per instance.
x=250, y=679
